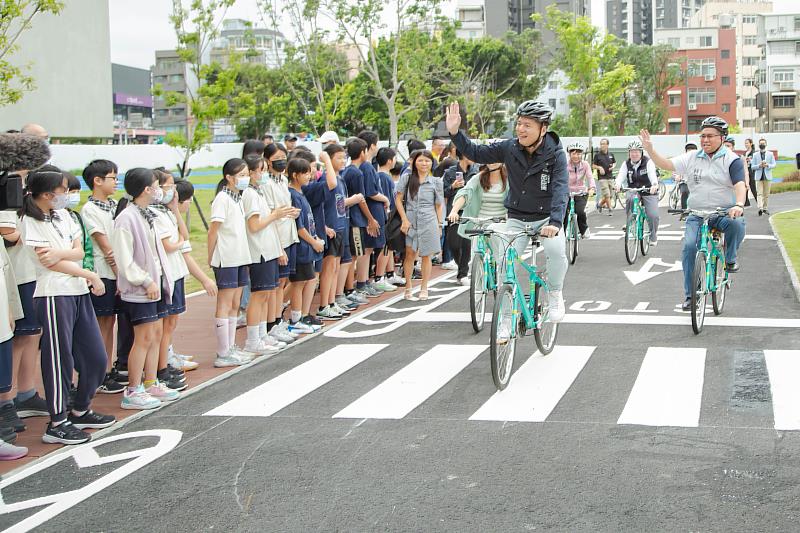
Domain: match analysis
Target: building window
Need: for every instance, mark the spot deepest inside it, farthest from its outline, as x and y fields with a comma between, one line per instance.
x=797, y=24
x=748, y=19
x=162, y=112
x=674, y=128
x=725, y=54
x=695, y=123
x=783, y=125
x=726, y=108
x=797, y=48
x=783, y=101
x=706, y=41
x=783, y=76
x=749, y=39
x=749, y=82
x=552, y=102
x=726, y=80
x=748, y=102
x=703, y=95
x=749, y=123
x=176, y=78
x=750, y=61
x=674, y=100
x=674, y=42
x=702, y=67
x=552, y=85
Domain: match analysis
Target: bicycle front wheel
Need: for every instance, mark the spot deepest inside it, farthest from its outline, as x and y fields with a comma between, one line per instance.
x=503, y=339
x=721, y=281
x=644, y=242
x=477, y=293
x=675, y=197
x=546, y=331
x=662, y=190
x=699, y=293
x=572, y=240
x=631, y=241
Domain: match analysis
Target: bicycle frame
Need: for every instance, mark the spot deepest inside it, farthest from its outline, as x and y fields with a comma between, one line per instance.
x=520, y=303
x=483, y=248
x=708, y=246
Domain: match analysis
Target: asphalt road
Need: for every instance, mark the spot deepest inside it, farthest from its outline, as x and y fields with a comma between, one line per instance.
x=391, y=423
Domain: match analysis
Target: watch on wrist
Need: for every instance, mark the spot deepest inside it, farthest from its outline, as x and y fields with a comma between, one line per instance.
x=740, y=205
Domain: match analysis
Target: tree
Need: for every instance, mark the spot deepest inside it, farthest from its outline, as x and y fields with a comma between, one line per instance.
x=313, y=70
x=391, y=69
x=591, y=63
x=656, y=72
x=196, y=26
x=16, y=16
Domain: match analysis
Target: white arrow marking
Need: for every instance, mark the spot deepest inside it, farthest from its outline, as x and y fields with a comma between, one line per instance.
x=643, y=274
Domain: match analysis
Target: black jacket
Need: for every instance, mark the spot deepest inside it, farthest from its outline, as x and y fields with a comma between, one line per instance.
x=450, y=176
x=538, y=184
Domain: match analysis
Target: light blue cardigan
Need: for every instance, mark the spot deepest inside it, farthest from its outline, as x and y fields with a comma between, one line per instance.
x=474, y=195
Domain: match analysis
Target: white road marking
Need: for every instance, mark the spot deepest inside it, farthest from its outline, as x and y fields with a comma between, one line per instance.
x=641, y=307
x=410, y=386
x=646, y=271
x=668, y=390
x=784, y=378
x=537, y=386
x=285, y=389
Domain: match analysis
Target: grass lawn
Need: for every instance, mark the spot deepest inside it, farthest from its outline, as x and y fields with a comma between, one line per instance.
x=788, y=227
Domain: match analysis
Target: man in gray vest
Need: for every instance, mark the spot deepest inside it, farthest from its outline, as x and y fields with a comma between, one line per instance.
x=715, y=176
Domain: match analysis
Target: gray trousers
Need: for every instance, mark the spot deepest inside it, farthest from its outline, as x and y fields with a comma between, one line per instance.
x=650, y=204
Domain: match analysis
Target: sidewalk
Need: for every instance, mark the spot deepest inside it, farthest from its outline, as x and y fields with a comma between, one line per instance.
x=194, y=336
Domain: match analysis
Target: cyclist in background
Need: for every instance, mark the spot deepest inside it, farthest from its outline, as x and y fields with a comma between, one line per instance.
x=636, y=172
x=581, y=184
x=715, y=177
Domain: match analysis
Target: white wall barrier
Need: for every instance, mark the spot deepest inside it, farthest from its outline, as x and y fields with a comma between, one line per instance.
x=129, y=156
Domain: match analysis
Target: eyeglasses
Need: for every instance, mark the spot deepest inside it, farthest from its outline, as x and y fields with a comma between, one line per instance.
x=709, y=136
x=111, y=178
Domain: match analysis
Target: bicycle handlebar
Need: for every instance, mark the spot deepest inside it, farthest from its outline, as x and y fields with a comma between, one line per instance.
x=699, y=212
x=478, y=220
x=640, y=189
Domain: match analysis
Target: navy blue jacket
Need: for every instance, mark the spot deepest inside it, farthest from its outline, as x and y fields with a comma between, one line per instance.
x=538, y=183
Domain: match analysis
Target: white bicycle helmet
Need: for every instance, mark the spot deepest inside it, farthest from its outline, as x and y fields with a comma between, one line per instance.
x=635, y=145
x=576, y=146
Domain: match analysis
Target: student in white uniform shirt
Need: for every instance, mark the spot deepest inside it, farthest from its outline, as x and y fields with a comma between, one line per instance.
x=277, y=194
x=98, y=212
x=266, y=254
x=71, y=337
x=229, y=256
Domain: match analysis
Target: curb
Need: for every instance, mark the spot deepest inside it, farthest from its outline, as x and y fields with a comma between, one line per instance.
x=786, y=259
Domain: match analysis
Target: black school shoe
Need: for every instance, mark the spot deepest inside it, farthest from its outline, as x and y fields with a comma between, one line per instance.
x=91, y=420
x=33, y=406
x=10, y=419
x=65, y=433
x=110, y=386
x=119, y=378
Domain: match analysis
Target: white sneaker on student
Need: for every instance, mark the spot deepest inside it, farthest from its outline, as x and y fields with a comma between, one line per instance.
x=450, y=265
x=556, y=306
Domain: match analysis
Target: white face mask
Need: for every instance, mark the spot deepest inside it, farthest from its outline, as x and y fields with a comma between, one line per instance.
x=158, y=195
x=74, y=200
x=242, y=182
x=168, y=196
x=60, y=200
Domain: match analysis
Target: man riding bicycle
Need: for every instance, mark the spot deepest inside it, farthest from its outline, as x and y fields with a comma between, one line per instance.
x=636, y=172
x=538, y=185
x=715, y=177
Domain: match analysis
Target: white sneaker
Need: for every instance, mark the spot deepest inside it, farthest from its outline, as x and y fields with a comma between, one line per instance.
x=396, y=280
x=300, y=327
x=653, y=243
x=284, y=328
x=186, y=365
x=556, y=306
x=139, y=399
x=172, y=353
x=231, y=358
x=464, y=281
x=277, y=334
x=272, y=341
x=586, y=234
x=259, y=348
x=450, y=265
x=162, y=393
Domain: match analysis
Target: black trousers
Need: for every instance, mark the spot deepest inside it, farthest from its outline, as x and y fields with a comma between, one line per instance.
x=580, y=212
x=460, y=248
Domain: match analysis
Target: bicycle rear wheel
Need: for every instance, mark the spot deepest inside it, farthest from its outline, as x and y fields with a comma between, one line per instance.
x=699, y=293
x=477, y=293
x=662, y=190
x=675, y=197
x=503, y=339
x=644, y=242
x=546, y=331
x=631, y=242
x=572, y=240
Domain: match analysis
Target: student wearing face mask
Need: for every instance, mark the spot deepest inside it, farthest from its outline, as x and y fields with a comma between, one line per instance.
x=71, y=337
x=761, y=166
x=229, y=256
x=145, y=285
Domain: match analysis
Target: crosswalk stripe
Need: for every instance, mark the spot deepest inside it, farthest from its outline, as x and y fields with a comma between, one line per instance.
x=410, y=386
x=668, y=390
x=285, y=389
x=784, y=372
x=537, y=386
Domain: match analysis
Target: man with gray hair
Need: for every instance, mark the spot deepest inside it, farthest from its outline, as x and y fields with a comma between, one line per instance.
x=37, y=130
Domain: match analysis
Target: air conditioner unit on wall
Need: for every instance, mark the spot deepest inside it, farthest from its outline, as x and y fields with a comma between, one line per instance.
x=711, y=77
x=692, y=107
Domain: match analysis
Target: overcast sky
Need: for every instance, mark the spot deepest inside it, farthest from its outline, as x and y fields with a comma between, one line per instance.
x=138, y=31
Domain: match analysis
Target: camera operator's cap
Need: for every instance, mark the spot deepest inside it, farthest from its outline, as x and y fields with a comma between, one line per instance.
x=329, y=136
x=289, y=137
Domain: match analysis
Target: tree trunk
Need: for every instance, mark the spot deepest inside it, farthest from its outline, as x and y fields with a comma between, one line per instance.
x=393, y=125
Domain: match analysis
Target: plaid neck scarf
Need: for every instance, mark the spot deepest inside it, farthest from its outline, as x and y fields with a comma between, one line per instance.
x=236, y=195
x=110, y=206
x=257, y=188
x=160, y=207
x=148, y=215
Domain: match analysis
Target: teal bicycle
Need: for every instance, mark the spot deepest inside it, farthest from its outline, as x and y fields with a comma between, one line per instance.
x=515, y=314
x=482, y=270
x=637, y=228
x=710, y=274
x=571, y=229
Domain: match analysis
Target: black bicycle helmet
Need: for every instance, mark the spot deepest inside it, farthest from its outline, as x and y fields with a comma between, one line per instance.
x=538, y=111
x=717, y=123
x=730, y=139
